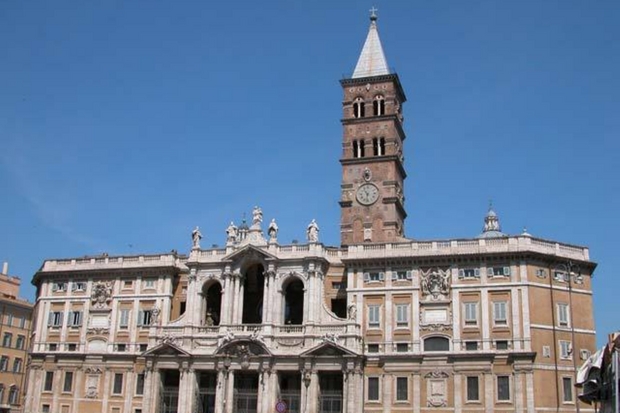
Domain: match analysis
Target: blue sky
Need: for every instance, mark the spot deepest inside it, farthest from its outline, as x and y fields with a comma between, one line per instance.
x=124, y=124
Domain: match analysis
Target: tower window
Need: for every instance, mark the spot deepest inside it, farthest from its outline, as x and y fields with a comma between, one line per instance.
x=382, y=146
x=378, y=105
x=375, y=146
x=358, y=108
x=358, y=148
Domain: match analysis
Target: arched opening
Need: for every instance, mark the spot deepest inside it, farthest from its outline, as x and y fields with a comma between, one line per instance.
x=213, y=304
x=436, y=344
x=355, y=149
x=382, y=146
x=375, y=147
x=362, y=149
x=294, y=302
x=358, y=108
x=253, y=286
x=378, y=106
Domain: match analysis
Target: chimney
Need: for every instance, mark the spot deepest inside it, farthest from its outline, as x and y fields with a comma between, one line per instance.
x=5, y=268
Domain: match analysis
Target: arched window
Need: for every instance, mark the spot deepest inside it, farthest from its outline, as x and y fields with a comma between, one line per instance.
x=375, y=147
x=362, y=149
x=253, y=288
x=382, y=146
x=436, y=344
x=294, y=302
x=356, y=149
x=358, y=108
x=213, y=304
x=378, y=105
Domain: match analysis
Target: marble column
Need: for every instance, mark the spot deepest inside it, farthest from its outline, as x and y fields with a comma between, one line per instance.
x=151, y=396
x=346, y=379
x=234, y=302
x=518, y=392
x=313, y=393
x=458, y=392
x=417, y=396
x=240, y=292
x=230, y=387
x=220, y=390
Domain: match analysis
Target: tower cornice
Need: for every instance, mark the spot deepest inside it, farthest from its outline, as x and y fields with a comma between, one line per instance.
x=393, y=77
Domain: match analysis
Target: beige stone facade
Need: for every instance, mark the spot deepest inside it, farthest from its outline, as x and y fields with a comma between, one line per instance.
x=15, y=324
x=380, y=324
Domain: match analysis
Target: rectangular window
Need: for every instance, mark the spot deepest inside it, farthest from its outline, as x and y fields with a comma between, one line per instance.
x=402, y=389
x=117, y=388
x=373, y=388
x=501, y=345
x=75, y=318
x=374, y=319
x=560, y=276
x=19, y=343
x=121, y=347
x=402, y=315
x=54, y=319
x=374, y=276
x=59, y=287
x=127, y=284
x=402, y=347
x=17, y=365
x=4, y=363
x=149, y=283
x=471, y=314
x=469, y=273
x=140, y=384
x=472, y=389
x=565, y=349
x=144, y=317
x=68, y=383
x=72, y=347
x=22, y=322
x=53, y=346
x=401, y=275
x=45, y=408
x=498, y=271
x=123, y=322
x=78, y=286
x=563, y=319
x=499, y=313
x=373, y=348
x=471, y=345
x=49, y=381
x=567, y=385
x=143, y=347
x=9, y=320
x=503, y=388
x=7, y=340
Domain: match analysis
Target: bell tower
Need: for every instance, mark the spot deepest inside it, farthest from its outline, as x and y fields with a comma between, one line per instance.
x=372, y=201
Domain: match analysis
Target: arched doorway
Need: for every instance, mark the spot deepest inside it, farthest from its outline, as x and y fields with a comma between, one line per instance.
x=253, y=286
x=213, y=307
x=294, y=302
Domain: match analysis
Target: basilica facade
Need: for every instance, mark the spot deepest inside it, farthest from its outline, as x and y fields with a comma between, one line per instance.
x=380, y=323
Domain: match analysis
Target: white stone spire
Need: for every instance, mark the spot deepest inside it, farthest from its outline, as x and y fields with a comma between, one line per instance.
x=372, y=59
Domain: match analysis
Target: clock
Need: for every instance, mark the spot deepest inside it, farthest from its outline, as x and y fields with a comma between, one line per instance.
x=367, y=194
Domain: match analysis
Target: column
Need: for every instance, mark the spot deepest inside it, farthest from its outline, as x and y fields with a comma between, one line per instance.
x=529, y=385
x=518, y=393
x=191, y=309
x=240, y=292
x=346, y=378
x=230, y=385
x=489, y=385
x=458, y=392
x=313, y=393
x=266, y=298
x=130, y=389
x=220, y=391
x=516, y=318
x=226, y=299
x=107, y=378
x=456, y=319
x=235, y=299
x=386, y=389
x=416, y=393
x=484, y=304
x=151, y=378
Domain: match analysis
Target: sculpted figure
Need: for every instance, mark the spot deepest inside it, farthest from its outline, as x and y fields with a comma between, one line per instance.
x=232, y=233
x=196, y=237
x=273, y=230
x=313, y=231
x=352, y=312
x=257, y=216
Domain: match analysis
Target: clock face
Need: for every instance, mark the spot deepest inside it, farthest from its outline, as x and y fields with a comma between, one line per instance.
x=367, y=194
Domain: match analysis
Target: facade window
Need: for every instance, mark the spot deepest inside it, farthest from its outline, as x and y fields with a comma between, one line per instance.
x=541, y=273
x=378, y=105
x=471, y=314
x=401, y=275
x=143, y=347
x=121, y=347
x=499, y=313
x=563, y=318
x=501, y=345
x=560, y=276
x=54, y=319
x=436, y=344
x=471, y=345
x=402, y=389
x=1, y=393
x=49, y=381
x=117, y=387
x=373, y=276
x=9, y=320
x=378, y=146
x=72, y=347
x=75, y=318
x=373, y=389
x=13, y=393
x=473, y=389
x=567, y=386
x=53, y=346
x=127, y=284
x=469, y=273
x=565, y=349
x=498, y=271
x=374, y=316
x=140, y=384
x=149, y=283
x=358, y=108
x=78, y=286
x=402, y=315
x=67, y=385
x=359, y=148
x=45, y=408
x=123, y=321
x=145, y=317
x=19, y=343
x=17, y=365
x=373, y=348
x=7, y=340
x=4, y=363
x=402, y=347
x=59, y=286
x=503, y=388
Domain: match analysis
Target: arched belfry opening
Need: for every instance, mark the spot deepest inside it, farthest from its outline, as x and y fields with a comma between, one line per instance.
x=293, y=302
x=253, y=286
x=212, y=294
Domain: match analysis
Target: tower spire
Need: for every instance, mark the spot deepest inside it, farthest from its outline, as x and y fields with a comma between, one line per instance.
x=372, y=60
x=491, y=227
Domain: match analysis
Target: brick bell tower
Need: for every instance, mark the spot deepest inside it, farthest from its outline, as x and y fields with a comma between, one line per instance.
x=372, y=201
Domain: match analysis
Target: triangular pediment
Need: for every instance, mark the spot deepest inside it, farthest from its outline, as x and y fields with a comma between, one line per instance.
x=249, y=251
x=329, y=349
x=166, y=349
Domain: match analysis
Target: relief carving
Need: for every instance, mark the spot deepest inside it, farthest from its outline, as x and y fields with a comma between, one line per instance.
x=435, y=282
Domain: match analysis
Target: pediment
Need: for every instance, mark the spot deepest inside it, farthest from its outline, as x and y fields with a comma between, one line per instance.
x=240, y=347
x=329, y=349
x=166, y=349
x=249, y=251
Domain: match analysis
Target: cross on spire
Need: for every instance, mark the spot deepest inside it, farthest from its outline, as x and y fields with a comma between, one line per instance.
x=373, y=13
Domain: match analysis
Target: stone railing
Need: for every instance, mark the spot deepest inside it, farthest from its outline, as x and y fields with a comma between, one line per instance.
x=95, y=263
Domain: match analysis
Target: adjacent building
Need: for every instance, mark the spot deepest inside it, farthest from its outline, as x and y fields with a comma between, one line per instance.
x=381, y=323
x=15, y=323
